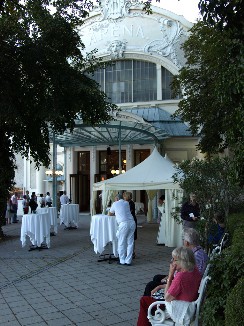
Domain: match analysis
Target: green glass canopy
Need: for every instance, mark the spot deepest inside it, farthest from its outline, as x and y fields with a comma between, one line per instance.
x=125, y=128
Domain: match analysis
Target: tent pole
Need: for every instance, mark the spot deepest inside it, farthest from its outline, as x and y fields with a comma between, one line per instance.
x=54, y=169
x=120, y=148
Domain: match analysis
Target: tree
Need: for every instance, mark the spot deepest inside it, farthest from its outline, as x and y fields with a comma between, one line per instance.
x=43, y=84
x=215, y=185
x=213, y=79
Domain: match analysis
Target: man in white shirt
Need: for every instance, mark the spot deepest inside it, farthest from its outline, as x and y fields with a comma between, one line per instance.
x=64, y=199
x=125, y=234
x=48, y=200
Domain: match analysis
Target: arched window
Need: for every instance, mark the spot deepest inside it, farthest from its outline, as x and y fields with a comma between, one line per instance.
x=133, y=81
x=167, y=79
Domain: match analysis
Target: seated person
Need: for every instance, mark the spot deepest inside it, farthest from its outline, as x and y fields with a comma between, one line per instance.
x=182, y=285
x=218, y=230
x=191, y=240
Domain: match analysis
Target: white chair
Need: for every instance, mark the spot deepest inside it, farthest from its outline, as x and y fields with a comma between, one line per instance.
x=224, y=241
x=206, y=270
x=220, y=246
x=159, y=317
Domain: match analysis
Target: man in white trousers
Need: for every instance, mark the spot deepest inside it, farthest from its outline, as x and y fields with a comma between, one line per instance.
x=126, y=228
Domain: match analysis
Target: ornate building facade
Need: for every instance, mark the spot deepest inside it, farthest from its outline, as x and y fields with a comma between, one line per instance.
x=142, y=54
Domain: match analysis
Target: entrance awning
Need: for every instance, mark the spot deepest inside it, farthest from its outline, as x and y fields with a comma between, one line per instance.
x=131, y=129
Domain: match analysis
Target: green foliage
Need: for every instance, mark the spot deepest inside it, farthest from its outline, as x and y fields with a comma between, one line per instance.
x=234, y=315
x=213, y=79
x=215, y=184
x=225, y=272
x=43, y=84
x=7, y=168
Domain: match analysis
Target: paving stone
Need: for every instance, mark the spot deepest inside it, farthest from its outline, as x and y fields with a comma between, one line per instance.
x=66, y=286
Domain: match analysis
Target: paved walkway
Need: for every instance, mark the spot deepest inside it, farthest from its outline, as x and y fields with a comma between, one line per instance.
x=66, y=285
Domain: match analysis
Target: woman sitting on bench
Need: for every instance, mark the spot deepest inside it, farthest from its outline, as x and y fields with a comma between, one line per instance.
x=182, y=285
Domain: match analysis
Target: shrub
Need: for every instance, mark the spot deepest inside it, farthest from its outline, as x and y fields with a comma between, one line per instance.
x=226, y=269
x=234, y=313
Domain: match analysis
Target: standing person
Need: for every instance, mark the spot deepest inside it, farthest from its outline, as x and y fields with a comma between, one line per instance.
x=42, y=201
x=125, y=234
x=14, y=207
x=58, y=202
x=182, y=283
x=25, y=205
x=34, y=195
x=64, y=199
x=128, y=197
x=8, y=207
x=161, y=203
x=190, y=212
x=48, y=199
x=33, y=204
x=27, y=193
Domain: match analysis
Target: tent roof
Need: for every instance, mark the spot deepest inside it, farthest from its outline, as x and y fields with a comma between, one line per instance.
x=155, y=172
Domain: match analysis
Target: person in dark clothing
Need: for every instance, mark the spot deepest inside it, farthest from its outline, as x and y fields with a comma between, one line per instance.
x=217, y=231
x=128, y=197
x=33, y=204
x=190, y=212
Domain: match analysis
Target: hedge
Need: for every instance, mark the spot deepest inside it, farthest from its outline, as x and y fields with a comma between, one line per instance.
x=234, y=312
x=226, y=270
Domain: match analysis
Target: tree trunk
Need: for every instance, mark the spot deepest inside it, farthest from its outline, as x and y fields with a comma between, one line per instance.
x=7, y=173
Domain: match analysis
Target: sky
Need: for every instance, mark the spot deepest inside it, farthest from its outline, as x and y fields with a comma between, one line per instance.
x=186, y=8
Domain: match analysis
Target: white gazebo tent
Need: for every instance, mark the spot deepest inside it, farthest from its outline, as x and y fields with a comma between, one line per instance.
x=153, y=174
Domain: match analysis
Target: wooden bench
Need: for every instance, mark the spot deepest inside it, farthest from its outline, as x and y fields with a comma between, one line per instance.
x=159, y=317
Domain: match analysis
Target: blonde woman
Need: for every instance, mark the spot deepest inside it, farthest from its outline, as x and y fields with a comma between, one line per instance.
x=182, y=283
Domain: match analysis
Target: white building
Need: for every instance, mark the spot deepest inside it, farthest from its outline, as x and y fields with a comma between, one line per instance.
x=144, y=52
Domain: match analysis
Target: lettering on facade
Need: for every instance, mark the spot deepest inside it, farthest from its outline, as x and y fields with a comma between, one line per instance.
x=112, y=29
x=115, y=31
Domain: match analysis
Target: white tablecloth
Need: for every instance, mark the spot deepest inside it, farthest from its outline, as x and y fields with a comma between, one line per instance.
x=162, y=232
x=103, y=230
x=69, y=213
x=170, y=232
x=53, y=215
x=37, y=228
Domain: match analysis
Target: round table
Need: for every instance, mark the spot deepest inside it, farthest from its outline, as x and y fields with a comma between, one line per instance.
x=53, y=215
x=69, y=214
x=102, y=231
x=37, y=228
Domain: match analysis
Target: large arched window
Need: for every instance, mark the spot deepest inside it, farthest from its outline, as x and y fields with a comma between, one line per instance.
x=167, y=79
x=133, y=81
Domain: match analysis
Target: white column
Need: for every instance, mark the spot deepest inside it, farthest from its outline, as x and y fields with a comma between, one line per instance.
x=129, y=157
x=69, y=168
x=40, y=177
x=25, y=185
x=159, y=82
